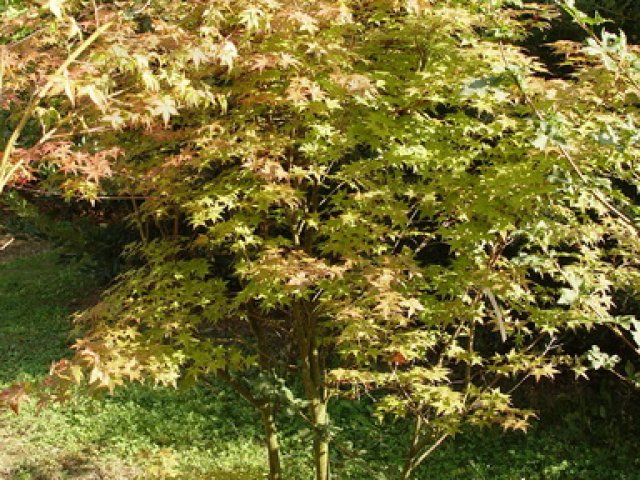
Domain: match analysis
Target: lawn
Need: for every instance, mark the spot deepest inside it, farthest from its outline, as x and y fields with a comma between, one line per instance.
x=585, y=433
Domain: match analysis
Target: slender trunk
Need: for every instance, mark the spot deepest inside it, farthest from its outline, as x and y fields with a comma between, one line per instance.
x=418, y=453
x=176, y=225
x=267, y=411
x=305, y=323
x=321, y=441
x=314, y=388
x=144, y=237
x=470, y=350
x=320, y=412
x=271, y=441
x=407, y=471
x=409, y=464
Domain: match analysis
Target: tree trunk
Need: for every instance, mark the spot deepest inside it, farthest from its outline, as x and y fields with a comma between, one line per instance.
x=321, y=441
x=418, y=452
x=271, y=441
x=409, y=464
x=267, y=411
x=314, y=388
x=408, y=469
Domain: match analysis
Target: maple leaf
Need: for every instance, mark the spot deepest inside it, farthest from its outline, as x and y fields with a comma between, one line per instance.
x=115, y=120
x=515, y=423
x=261, y=62
x=355, y=83
x=547, y=370
x=296, y=95
x=14, y=396
x=315, y=92
x=56, y=7
x=164, y=107
x=150, y=80
x=398, y=358
x=305, y=21
x=412, y=305
x=198, y=57
x=68, y=86
x=227, y=53
x=250, y=17
x=99, y=165
x=417, y=7
x=301, y=89
x=340, y=14
x=287, y=60
x=97, y=96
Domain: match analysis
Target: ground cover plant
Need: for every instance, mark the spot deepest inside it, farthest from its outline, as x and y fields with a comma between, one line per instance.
x=335, y=201
x=122, y=437
x=207, y=433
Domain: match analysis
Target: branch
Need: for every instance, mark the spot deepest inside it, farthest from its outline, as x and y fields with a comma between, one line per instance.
x=40, y=94
x=572, y=12
x=243, y=391
x=48, y=193
x=430, y=450
x=7, y=243
x=615, y=329
x=567, y=155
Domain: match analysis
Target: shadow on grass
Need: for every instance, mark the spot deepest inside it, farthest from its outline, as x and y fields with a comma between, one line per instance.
x=35, y=297
x=140, y=432
x=146, y=433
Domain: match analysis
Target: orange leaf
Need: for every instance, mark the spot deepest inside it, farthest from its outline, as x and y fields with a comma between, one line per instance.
x=398, y=358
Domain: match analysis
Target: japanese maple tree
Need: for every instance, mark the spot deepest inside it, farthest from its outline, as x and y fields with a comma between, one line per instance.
x=350, y=196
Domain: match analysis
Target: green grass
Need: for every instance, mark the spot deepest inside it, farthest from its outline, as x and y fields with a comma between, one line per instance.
x=130, y=435
x=35, y=297
x=143, y=432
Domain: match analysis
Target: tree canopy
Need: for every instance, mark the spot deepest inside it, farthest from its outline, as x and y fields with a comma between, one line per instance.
x=335, y=198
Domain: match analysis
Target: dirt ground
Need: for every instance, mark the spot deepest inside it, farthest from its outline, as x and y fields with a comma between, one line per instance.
x=12, y=247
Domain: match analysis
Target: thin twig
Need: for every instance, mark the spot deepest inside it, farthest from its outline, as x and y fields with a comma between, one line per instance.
x=431, y=449
x=589, y=31
x=496, y=308
x=565, y=152
x=48, y=193
x=35, y=100
x=7, y=243
x=547, y=349
x=615, y=329
x=2, y=69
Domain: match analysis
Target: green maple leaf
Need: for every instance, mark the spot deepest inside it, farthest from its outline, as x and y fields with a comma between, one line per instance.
x=227, y=54
x=164, y=107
